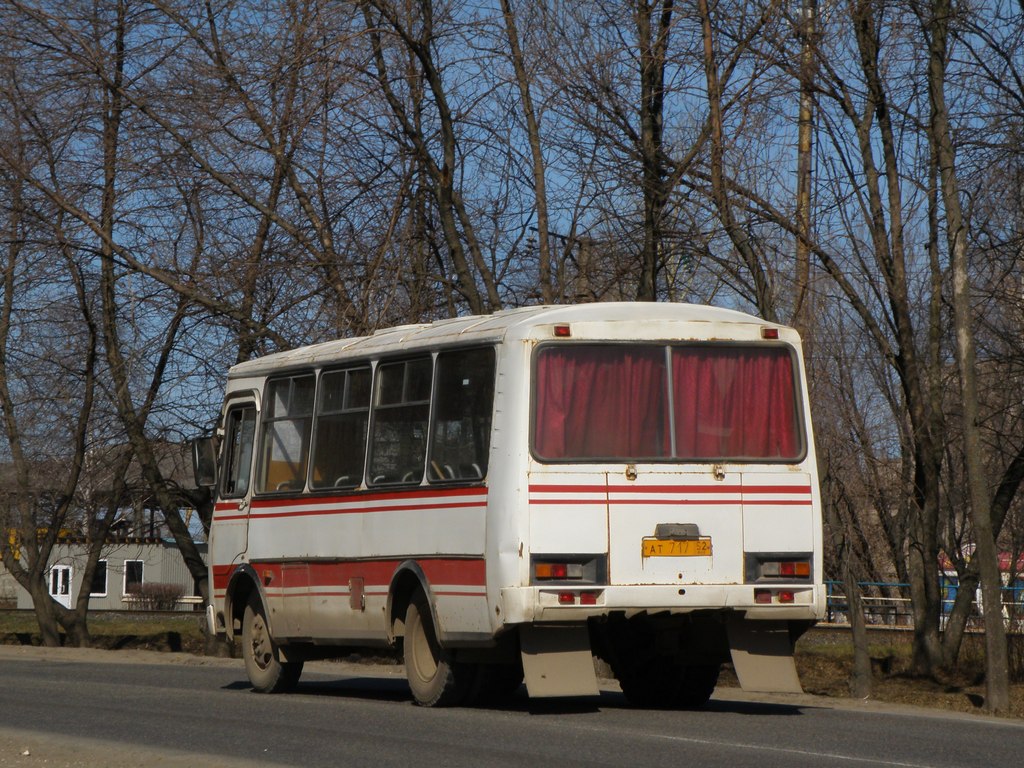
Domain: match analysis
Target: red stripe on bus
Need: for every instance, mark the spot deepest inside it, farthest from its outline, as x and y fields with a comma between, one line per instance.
x=361, y=510
x=698, y=502
x=354, y=503
x=452, y=572
x=681, y=495
x=362, y=496
x=222, y=575
x=646, y=502
x=652, y=489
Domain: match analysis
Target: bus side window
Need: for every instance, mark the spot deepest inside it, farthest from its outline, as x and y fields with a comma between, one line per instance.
x=398, y=446
x=463, y=404
x=241, y=428
x=287, y=422
x=339, y=445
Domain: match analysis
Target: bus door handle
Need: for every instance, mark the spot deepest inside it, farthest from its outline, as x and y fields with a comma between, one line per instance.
x=243, y=504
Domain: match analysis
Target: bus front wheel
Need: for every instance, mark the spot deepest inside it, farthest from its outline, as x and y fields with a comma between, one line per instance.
x=435, y=678
x=267, y=673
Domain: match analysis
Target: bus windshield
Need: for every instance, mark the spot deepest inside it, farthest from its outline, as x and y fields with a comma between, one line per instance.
x=707, y=402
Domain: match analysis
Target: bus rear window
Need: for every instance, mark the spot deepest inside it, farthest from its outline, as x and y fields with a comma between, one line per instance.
x=710, y=402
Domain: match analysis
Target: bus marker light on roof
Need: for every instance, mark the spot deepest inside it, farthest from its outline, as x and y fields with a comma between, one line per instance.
x=769, y=333
x=562, y=332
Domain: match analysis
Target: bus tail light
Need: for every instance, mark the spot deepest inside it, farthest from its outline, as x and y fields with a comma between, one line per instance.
x=557, y=571
x=566, y=569
x=789, y=569
x=577, y=598
x=770, y=596
x=762, y=568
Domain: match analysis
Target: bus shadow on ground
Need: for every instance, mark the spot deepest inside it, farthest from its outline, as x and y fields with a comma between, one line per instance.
x=396, y=689
x=753, y=708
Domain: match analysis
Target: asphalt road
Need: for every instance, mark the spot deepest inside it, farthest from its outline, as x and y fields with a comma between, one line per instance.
x=72, y=708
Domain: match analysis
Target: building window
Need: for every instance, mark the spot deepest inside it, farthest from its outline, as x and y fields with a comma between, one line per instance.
x=98, y=588
x=132, y=577
x=60, y=581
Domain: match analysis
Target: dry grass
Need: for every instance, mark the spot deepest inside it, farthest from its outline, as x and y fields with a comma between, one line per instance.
x=825, y=662
x=117, y=630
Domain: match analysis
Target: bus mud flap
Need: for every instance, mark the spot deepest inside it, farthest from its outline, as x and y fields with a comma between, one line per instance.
x=762, y=655
x=557, y=661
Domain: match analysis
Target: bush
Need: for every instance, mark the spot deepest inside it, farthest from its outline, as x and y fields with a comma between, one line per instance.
x=156, y=596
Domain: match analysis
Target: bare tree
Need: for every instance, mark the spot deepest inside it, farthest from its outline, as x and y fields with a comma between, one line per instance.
x=46, y=405
x=413, y=28
x=997, y=678
x=538, y=164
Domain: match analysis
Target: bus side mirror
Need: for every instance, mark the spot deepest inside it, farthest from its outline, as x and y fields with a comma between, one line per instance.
x=204, y=462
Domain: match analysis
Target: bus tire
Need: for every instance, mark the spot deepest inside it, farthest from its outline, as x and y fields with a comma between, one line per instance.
x=266, y=671
x=698, y=683
x=498, y=682
x=650, y=683
x=435, y=678
x=663, y=683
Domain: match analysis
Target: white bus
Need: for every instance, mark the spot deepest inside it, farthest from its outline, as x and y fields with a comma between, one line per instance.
x=512, y=495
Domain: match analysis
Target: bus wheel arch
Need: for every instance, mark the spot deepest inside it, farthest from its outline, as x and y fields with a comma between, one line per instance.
x=243, y=585
x=407, y=580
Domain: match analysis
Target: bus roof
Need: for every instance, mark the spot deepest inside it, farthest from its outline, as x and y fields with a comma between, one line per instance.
x=505, y=325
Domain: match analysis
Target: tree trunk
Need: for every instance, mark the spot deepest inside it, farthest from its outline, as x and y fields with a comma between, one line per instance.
x=536, y=153
x=860, y=678
x=740, y=238
x=43, y=606
x=805, y=139
x=653, y=38
x=997, y=679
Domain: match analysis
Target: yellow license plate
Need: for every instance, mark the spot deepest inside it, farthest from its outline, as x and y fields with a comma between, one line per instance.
x=676, y=548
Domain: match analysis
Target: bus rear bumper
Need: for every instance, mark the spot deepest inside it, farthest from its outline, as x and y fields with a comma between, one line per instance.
x=726, y=623
x=531, y=605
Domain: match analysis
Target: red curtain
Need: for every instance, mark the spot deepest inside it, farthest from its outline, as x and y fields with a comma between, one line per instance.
x=601, y=402
x=734, y=402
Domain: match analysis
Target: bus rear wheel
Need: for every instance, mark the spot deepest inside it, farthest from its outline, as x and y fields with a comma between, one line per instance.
x=664, y=683
x=266, y=671
x=697, y=685
x=435, y=678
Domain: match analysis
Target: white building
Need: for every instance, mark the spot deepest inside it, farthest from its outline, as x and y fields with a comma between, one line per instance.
x=133, y=574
